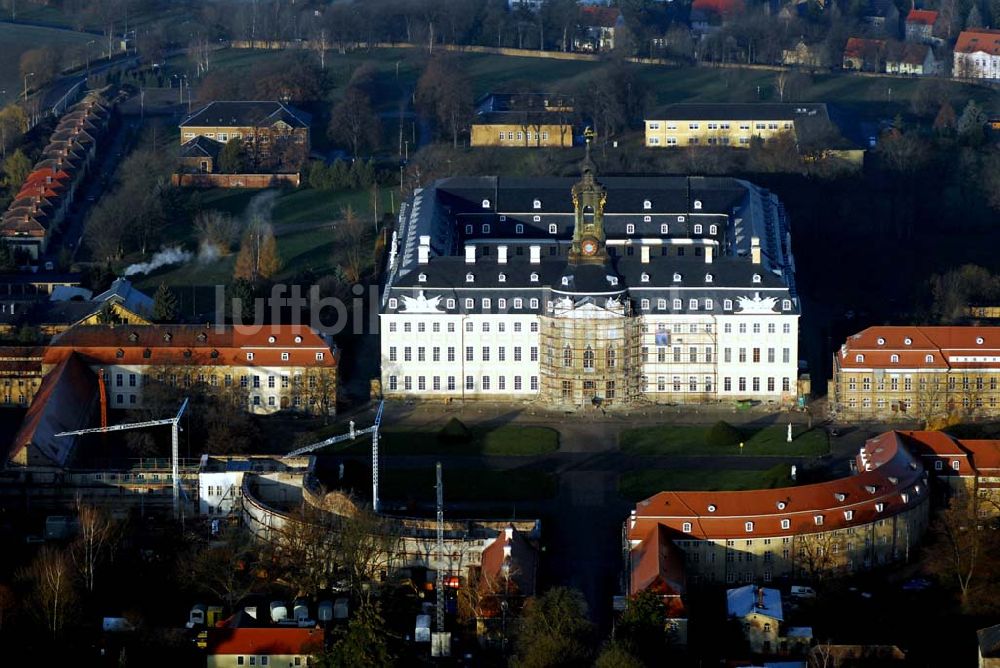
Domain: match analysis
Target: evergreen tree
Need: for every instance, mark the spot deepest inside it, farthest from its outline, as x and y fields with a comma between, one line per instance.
x=7, y=260
x=242, y=290
x=233, y=157
x=165, y=305
x=16, y=169
x=970, y=124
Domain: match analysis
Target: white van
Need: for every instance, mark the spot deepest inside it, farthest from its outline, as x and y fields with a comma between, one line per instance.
x=797, y=591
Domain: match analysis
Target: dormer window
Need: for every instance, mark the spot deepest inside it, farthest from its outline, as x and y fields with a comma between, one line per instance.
x=486, y=228
x=879, y=507
x=756, y=278
x=647, y=219
x=709, y=278
x=713, y=229
x=422, y=278
x=698, y=228
x=781, y=505
x=553, y=229
x=502, y=278
x=905, y=497
x=630, y=229
x=711, y=508
x=818, y=519
x=284, y=357
x=928, y=358
x=214, y=354
x=187, y=353
x=469, y=278
x=536, y=219
x=680, y=219
x=319, y=357
x=271, y=339
x=786, y=524
x=727, y=304
x=686, y=527
x=468, y=229
x=646, y=205
x=519, y=229
x=147, y=353
x=486, y=204
x=907, y=341
x=565, y=280
x=786, y=304
x=748, y=526
x=979, y=340
x=678, y=305
x=533, y=278
x=954, y=464
x=537, y=204
x=393, y=303
x=894, y=359
x=697, y=205
x=133, y=336
x=677, y=277
x=613, y=280
x=119, y=353
x=644, y=278
x=664, y=229
x=859, y=358
x=880, y=341
x=167, y=337
x=249, y=357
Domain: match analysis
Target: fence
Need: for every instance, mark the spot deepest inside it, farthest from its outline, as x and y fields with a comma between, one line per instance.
x=236, y=180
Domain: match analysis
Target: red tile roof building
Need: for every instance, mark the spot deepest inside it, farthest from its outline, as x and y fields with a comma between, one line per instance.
x=283, y=646
x=864, y=54
x=856, y=523
x=977, y=54
x=969, y=466
x=25, y=226
x=917, y=373
x=919, y=26
x=265, y=369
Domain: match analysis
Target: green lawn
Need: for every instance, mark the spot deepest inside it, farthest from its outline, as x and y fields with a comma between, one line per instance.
x=638, y=485
x=16, y=39
x=468, y=485
x=691, y=440
x=510, y=440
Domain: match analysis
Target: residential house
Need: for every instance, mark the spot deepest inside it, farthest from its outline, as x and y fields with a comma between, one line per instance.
x=597, y=27
x=276, y=368
x=657, y=565
x=42, y=203
x=863, y=54
x=710, y=15
x=989, y=646
x=506, y=577
x=276, y=134
x=200, y=155
x=932, y=374
x=804, y=55
x=523, y=120
x=914, y=58
x=977, y=54
x=758, y=611
x=267, y=646
x=919, y=26
x=883, y=16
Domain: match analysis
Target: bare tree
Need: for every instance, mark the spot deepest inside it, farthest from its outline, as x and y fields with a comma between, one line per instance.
x=51, y=577
x=963, y=548
x=351, y=233
x=217, y=230
x=258, y=257
x=354, y=122
x=227, y=569
x=96, y=531
x=443, y=91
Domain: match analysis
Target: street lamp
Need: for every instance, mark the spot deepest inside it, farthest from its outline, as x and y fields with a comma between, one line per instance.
x=87, y=51
x=30, y=74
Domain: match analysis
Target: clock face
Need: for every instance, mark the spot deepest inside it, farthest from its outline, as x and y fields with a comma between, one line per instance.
x=589, y=247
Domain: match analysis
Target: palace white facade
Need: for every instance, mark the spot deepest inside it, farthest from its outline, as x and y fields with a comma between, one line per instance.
x=612, y=292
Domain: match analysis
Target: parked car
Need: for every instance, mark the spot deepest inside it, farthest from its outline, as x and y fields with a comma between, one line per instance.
x=916, y=584
x=797, y=591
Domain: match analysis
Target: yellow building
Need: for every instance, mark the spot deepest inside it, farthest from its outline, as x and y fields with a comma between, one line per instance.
x=20, y=374
x=272, y=132
x=735, y=124
x=523, y=120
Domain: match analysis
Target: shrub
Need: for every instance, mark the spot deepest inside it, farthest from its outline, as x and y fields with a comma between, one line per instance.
x=722, y=434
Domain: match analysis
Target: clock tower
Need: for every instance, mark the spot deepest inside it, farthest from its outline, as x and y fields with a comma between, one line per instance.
x=589, y=197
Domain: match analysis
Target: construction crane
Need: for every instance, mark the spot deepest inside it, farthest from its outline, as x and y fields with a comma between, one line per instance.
x=350, y=436
x=441, y=645
x=174, y=422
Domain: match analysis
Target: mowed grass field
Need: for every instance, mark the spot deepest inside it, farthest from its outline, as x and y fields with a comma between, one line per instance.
x=693, y=441
x=16, y=39
x=638, y=485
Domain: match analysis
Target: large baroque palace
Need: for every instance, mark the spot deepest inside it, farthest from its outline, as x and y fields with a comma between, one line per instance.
x=610, y=291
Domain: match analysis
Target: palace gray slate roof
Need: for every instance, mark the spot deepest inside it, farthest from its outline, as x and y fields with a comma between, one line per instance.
x=244, y=114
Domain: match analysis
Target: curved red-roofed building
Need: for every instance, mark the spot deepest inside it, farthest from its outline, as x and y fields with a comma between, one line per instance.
x=847, y=525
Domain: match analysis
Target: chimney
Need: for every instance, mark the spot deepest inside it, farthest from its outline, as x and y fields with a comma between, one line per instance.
x=760, y=597
x=501, y=255
x=470, y=254
x=708, y=254
x=424, y=250
x=755, y=250
x=644, y=252
x=535, y=254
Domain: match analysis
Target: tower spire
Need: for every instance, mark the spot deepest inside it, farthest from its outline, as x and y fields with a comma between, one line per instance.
x=589, y=197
